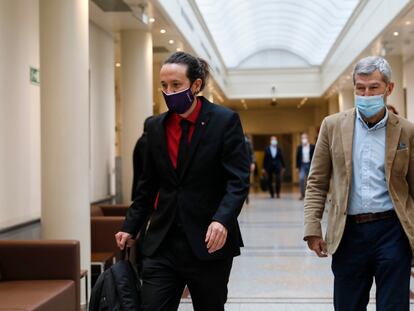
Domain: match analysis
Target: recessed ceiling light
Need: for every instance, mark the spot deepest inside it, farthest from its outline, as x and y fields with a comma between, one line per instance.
x=118, y=65
x=408, y=22
x=171, y=41
x=302, y=102
x=178, y=49
x=152, y=19
x=396, y=33
x=163, y=31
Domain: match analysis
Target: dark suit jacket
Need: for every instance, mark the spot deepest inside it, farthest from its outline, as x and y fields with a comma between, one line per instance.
x=138, y=162
x=299, y=155
x=273, y=164
x=212, y=187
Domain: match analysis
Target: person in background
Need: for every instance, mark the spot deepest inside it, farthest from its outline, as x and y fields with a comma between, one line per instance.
x=138, y=169
x=196, y=162
x=138, y=158
x=252, y=158
x=304, y=155
x=273, y=166
x=369, y=155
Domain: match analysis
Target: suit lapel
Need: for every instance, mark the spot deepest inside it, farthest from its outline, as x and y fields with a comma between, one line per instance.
x=163, y=146
x=200, y=127
x=391, y=143
x=347, y=134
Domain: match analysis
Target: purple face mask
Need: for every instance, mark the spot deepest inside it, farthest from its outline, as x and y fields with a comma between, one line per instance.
x=179, y=102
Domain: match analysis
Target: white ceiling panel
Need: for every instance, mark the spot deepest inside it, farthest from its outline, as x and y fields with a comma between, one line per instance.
x=306, y=29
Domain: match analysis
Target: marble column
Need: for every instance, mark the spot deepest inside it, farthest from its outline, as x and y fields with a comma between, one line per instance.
x=136, y=97
x=64, y=91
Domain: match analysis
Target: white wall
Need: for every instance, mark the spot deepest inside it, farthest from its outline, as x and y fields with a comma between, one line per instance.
x=19, y=113
x=397, y=97
x=20, y=185
x=409, y=80
x=102, y=113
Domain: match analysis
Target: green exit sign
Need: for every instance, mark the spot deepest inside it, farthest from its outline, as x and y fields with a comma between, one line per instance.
x=34, y=76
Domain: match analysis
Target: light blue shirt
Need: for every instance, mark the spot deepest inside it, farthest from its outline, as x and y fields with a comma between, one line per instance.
x=273, y=151
x=369, y=191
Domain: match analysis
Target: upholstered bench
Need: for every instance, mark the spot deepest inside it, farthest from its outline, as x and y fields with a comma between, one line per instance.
x=40, y=275
x=109, y=210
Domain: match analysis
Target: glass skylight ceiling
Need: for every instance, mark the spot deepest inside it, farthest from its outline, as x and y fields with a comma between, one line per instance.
x=302, y=29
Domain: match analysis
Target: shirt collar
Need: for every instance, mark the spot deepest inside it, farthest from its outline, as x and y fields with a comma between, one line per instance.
x=382, y=123
x=192, y=117
x=196, y=112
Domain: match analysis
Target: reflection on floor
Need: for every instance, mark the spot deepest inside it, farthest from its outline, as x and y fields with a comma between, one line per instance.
x=276, y=271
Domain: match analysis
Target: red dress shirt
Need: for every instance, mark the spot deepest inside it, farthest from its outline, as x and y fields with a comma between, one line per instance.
x=173, y=131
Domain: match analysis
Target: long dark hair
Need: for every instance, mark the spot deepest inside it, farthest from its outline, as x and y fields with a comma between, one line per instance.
x=197, y=68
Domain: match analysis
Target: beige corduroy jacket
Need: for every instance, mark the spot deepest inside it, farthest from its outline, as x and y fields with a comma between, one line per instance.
x=333, y=160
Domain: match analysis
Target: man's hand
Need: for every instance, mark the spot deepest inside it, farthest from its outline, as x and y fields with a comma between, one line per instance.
x=123, y=238
x=216, y=236
x=252, y=167
x=318, y=245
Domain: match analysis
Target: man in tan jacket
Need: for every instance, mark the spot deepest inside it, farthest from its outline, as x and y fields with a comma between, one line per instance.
x=364, y=158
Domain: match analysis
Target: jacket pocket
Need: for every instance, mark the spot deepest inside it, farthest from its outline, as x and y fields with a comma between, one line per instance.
x=400, y=164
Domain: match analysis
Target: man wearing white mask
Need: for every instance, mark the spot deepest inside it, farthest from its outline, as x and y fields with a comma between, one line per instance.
x=273, y=165
x=304, y=155
x=369, y=155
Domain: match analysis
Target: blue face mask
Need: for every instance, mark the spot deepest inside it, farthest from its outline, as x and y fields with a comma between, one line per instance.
x=369, y=106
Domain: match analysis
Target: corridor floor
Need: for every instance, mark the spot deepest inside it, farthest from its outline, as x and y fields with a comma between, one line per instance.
x=276, y=271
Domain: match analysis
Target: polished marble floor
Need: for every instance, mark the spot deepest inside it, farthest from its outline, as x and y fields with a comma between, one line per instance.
x=276, y=271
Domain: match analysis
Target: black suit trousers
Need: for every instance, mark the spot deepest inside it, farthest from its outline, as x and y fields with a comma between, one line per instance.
x=173, y=266
x=278, y=182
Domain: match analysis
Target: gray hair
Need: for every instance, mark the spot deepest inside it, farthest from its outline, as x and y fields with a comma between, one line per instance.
x=369, y=64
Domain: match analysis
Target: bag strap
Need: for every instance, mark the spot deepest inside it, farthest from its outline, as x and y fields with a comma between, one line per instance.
x=126, y=253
